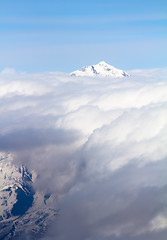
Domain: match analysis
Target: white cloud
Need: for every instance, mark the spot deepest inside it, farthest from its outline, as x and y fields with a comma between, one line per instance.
x=158, y=223
x=98, y=144
x=8, y=71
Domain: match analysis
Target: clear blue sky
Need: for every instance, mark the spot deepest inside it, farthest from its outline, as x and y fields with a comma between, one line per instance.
x=51, y=35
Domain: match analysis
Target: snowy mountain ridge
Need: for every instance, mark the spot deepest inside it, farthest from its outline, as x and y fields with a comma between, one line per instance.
x=102, y=69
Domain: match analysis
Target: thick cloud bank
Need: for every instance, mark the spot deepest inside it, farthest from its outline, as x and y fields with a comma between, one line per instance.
x=98, y=145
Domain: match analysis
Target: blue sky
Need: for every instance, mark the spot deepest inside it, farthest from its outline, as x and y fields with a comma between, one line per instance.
x=51, y=35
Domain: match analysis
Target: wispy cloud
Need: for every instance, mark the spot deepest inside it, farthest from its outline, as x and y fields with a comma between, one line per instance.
x=81, y=19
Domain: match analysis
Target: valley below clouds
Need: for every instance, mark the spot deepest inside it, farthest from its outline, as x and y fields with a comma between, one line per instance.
x=97, y=147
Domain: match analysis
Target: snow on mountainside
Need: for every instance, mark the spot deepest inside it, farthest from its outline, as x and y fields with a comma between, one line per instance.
x=102, y=69
x=21, y=207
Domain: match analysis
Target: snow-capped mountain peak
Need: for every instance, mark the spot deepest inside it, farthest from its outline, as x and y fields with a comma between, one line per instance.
x=102, y=63
x=102, y=69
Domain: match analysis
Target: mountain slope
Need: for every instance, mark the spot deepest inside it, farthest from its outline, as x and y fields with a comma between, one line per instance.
x=23, y=211
x=102, y=69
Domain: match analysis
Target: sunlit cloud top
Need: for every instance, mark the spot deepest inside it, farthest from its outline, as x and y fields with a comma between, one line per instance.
x=97, y=146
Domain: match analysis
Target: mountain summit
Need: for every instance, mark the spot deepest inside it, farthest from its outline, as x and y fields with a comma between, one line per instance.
x=102, y=69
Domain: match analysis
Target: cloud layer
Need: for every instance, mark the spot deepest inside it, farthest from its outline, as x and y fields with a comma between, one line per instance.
x=98, y=145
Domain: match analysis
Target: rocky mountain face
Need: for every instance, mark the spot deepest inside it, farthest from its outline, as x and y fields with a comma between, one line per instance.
x=22, y=209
